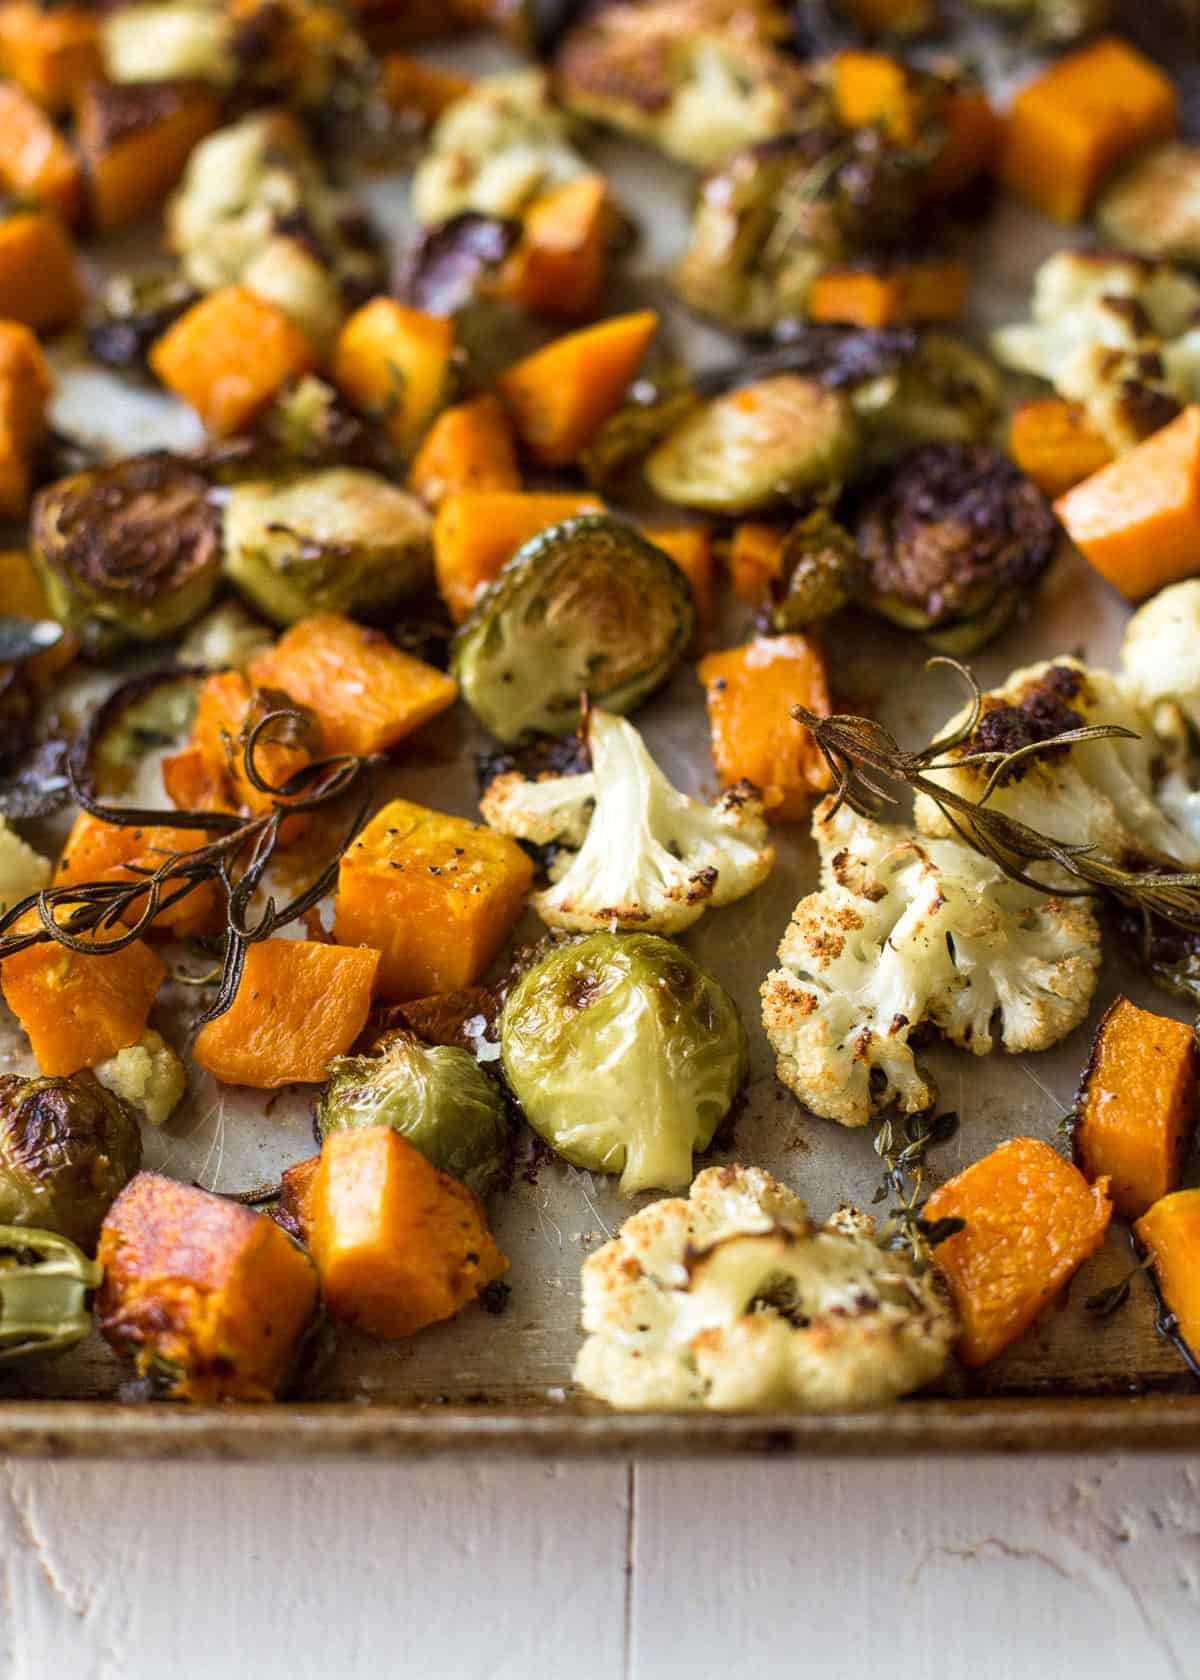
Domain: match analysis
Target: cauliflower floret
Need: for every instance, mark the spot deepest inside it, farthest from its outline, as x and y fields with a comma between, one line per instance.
x=1160, y=654
x=1115, y=334
x=733, y=1300
x=148, y=1075
x=22, y=870
x=905, y=931
x=178, y=39
x=1105, y=794
x=495, y=149
x=636, y=853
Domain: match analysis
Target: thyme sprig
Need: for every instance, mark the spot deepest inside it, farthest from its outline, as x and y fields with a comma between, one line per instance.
x=100, y=917
x=868, y=764
x=902, y=1147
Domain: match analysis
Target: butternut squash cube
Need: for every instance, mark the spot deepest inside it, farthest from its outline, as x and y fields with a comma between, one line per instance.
x=39, y=272
x=136, y=138
x=436, y=895
x=750, y=691
x=558, y=267
x=396, y=365
x=561, y=396
x=227, y=356
x=365, y=692
x=300, y=1003
x=26, y=386
x=468, y=447
x=1032, y=1219
x=893, y=295
x=35, y=161
x=1136, y=1109
x=21, y=592
x=690, y=546
x=100, y=851
x=419, y=92
x=1169, y=1233
x=227, y=709
x=1053, y=444
x=755, y=559
x=476, y=533
x=50, y=52
x=398, y=1244
x=79, y=1010
x=872, y=88
x=208, y=1296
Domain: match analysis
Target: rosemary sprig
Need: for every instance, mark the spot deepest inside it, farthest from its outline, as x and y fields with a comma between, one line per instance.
x=868, y=763
x=84, y=916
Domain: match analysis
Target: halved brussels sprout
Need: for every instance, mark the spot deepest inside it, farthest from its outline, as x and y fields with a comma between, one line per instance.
x=436, y=1096
x=127, y=553
x=652, y=409
x=586, y=606
x=339, y=540
x=624, y=1054
x=942, y=391
x=67, y=1149
x=820, y=572
x=1153, y=207
x=45, y=1283
x=779, y=439
x=140, y=718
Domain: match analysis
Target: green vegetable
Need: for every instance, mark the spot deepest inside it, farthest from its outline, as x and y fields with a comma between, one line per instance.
x=44, y=1286
x=587, y=605
x=942, y=391
x=338, y=540
x=67, y=1148
x=779, y=439
x=624, y=1054
x=436, y=1096
x=820, y=572
x=127, y=553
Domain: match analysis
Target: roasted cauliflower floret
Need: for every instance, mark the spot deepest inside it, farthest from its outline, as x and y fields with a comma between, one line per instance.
x=189, y=39
x=1116, y=335
x=148, y=1075
x=1107, y=794
x=495, y=150
x=1160, y=655
x=733, y=1300
x=905, y=931
x=635, y=852
x=1153, y=207
x=696, y=78
x=22, y=870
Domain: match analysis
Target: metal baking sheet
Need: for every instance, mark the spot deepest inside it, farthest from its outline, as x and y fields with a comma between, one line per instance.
x=482, y=1382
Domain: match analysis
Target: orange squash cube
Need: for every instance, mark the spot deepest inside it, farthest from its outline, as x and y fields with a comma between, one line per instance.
x=300, y=1003
x=875, y=88
x=79, y=1010
x=755, y=559
x=39, y=273
x=690, y=546
x=50, y=52
x=227, y=710
x=419, y=92
x=1054, y=445
x=367, y=694
x=395, y=364
x=468, y=447
x=202, y=1290
x=1169, y=1233
x=398, y=1244
x=436, y=895
x=1136, y=1109
x=1032, y=1219
x=21, y=592
x=476, y=533
x=135, y=139
x=561, y=396
x=100, y=851
x=972, y=134
x=558, y=267
x=26, y=386
x=750, y=691
x=36, y=163
x=228, y=355
x=899, y=295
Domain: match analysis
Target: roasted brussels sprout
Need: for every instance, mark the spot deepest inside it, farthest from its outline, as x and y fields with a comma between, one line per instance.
x=779, y=439
x=340, y=540
x=225, y=639
x=951, y=540
x=127, y=553
x=136, y=722
x=941, y=391
x=44, y=1286
x=1050, y=21
x=436, y=1096
x=135, y=309
x=820, y=572
x=652, y=408
x=624, y=1054
x=587, y=605
x=1153, y=207
x=67, y=1149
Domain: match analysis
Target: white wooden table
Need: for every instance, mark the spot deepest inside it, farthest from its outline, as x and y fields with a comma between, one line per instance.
x=965, y=1569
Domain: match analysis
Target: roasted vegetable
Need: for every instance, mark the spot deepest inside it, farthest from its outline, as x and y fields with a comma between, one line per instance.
x=734, y=1300
x=558, y=268
x=26, y=386
x=367, y=694
x=228, y=355
x=750, y=692
x=339, y=540
x=396, y=365
x=1153, y=207
x=100, y=851
x=150, y=40
x=435, y=1096
x=418, y=92
x=23, y=871
x=1136, y=1108
x=951, y=542
x=211, y=1300
x=45, y=1285
x=561, y=396
x=226, y=639
x=67, y=1147
x=228, y=709
x=128, y=553
x=135, y=140
x=39, y=272
x=624, y=1054
x=1030, y=1220
x=585, y=605
x=1138, y=519
x=468, y=448
x=755, y=558
x=652, y=407
x=300, y=1005
x=1074, y=123
x=398, y=1244
x=906, y=931
x=435, y=895
x=938, y=390
x=691, y=548
x=779, y=439
x=1169, y=1232
x=477, y=532
x=134, y=309
x=36, y=162
x=631, y=851
x=887, y=292
x=1053, y=444
x=148, y=1076
x=49, y=51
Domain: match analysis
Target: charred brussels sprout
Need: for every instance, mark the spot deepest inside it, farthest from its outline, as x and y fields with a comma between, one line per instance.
x=127, y=553
x=67, y=1149
x=624, y=1054
x=339, y=540
x=779, y=439
x=585, y=606
x=436, y=1096
x=820, y=572
x=44, y=1286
